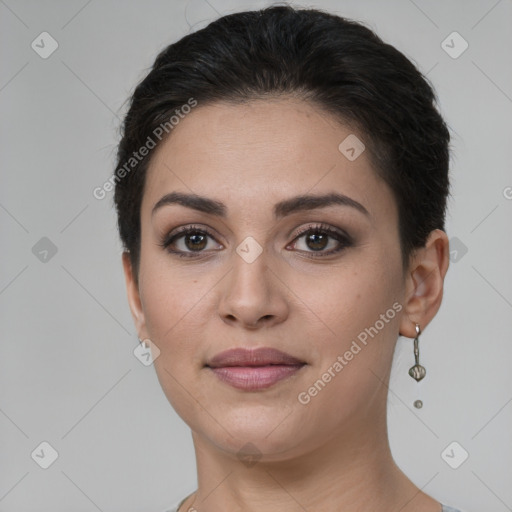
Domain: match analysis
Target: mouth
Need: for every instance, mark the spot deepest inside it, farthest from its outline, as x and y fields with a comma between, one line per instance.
x=253, y=370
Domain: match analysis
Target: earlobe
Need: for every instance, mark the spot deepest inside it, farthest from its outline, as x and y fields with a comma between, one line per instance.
x=132, y=290
x=424, y=283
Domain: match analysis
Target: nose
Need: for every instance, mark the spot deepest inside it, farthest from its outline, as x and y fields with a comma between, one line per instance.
x=253, y=296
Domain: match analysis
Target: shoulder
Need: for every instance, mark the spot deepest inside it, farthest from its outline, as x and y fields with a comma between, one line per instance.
x=177, y=505
x=175, y=508
x=445, y=509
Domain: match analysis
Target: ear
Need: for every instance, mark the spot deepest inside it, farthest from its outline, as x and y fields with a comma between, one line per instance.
x=132, y=290
x=424, y=283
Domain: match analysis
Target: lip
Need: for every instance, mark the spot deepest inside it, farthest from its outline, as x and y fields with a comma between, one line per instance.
x=255, y=369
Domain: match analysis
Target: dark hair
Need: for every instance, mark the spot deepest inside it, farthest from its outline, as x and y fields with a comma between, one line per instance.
x=338, y=64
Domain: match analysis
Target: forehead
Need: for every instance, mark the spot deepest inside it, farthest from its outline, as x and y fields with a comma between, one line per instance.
x=259, y=152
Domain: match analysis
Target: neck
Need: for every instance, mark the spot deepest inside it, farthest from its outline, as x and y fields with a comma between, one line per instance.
x=354, y=471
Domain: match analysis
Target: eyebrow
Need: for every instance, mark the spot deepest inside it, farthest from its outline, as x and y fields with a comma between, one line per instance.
x=281, y=209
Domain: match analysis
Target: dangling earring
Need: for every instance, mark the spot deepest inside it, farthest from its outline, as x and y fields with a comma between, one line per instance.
x=417, y=371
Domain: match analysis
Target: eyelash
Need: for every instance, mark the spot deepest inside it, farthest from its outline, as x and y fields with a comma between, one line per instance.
x=321, y=229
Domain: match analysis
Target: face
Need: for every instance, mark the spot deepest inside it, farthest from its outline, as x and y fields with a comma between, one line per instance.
x=321, y=281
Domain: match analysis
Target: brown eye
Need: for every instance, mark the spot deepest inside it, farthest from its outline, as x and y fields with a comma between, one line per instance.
x=187, y=241
x=318, y=238
x=195, y=241
x=317, y=241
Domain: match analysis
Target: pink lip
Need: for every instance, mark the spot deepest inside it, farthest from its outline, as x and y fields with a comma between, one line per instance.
x=255, y=369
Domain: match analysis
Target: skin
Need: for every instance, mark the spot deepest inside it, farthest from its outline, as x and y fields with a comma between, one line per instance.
x=332, y=453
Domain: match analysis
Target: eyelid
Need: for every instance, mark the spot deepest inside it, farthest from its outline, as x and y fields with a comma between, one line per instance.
x=187, y=228
x=320, y=226
x=343, y=240
x=338, y=234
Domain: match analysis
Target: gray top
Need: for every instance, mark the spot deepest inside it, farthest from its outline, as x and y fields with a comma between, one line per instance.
x=177, y=506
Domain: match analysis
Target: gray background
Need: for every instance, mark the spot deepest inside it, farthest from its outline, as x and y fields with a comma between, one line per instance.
x=68, y=375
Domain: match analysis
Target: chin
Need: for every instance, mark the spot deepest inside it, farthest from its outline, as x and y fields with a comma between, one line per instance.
x=271, y=432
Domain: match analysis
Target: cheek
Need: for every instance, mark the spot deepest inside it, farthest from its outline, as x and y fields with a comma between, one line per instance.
x=356, y=354
x=340, y=300
x=172, y=300
x=361, y=307
x=177, y=326
x=351, y=299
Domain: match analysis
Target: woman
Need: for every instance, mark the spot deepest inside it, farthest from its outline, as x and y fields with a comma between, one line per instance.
x=281, y=191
